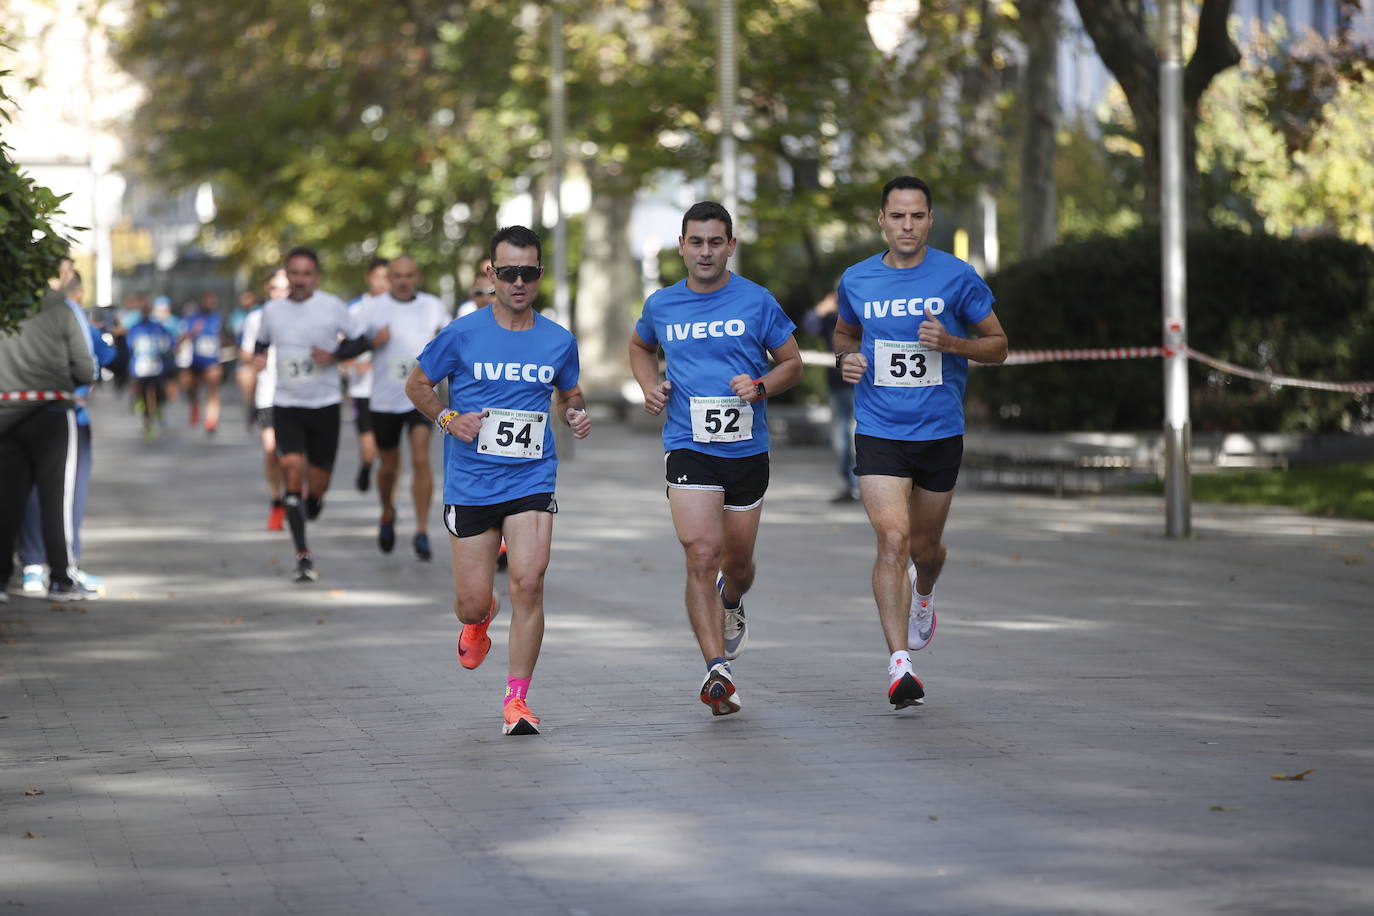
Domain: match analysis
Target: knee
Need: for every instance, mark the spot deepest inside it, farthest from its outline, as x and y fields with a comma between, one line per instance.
x=526, y=587
x=736, y=570
x=927, y=552
x=893, y=546
x=703, y=557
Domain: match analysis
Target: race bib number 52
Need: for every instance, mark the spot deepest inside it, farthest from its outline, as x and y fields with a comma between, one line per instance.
x=906, y=364
x=513, y=433
x=721, y=420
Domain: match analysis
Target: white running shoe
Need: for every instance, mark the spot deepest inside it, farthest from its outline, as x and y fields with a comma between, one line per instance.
x=920, y=624
x=736, y=630
x=34, y=583
x=904, y=688
x=718, y=690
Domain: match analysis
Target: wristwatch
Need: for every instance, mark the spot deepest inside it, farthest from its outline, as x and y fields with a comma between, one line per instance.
x=759, y=389
x=839, y=358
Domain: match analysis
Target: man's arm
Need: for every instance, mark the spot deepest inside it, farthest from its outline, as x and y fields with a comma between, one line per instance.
x=573, y=407
x=848, y=358
x=990, y=346
x=786, y=372
x=80, y=360
x=644, y=367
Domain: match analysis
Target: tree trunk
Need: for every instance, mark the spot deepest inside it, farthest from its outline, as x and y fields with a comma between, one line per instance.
x=1039, y=227
x=608, y=291
x=1119, y=33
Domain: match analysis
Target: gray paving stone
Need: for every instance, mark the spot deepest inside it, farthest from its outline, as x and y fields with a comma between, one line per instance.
x=213, y=739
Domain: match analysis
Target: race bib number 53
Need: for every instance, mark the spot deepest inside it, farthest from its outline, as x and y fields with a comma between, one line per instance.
x=906, y=364
x=721, y=420
x=513, y=433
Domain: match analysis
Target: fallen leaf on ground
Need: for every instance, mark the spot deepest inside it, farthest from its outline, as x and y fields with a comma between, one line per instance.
x=338, y=593
x=1225, y=807
x=1351, y=560
x=30, y=835
x=33, y=791
x=233, y=621
x=1296, y=777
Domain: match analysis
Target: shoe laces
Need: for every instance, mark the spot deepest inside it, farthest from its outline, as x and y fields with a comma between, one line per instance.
x=734, y=620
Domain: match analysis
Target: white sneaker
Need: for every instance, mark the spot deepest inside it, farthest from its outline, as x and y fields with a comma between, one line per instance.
x=736, y=630
x=33, y=580
x=920, y=624
x=904, y=688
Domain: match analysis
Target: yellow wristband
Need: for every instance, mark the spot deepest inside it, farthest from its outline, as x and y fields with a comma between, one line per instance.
x=444, y=419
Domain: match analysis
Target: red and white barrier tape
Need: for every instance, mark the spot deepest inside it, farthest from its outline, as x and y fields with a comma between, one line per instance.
x=1031, y=357
x=35, y=395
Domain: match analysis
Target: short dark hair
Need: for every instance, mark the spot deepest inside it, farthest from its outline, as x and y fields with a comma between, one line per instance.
x=906, y=183
x=377, y=262
x=705, y=210
x=520, y=237
x=300, y=251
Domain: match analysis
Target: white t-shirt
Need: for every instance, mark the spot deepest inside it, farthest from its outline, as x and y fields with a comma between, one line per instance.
x=358, y=374
x=293, y=329
x=267, y=378
x=413, y=324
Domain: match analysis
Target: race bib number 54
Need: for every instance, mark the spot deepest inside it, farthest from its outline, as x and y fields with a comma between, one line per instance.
x=513, y=433
x=906, y=364
x=721, y=420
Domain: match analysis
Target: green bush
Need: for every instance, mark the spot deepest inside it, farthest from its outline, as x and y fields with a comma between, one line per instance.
x=1296, y=307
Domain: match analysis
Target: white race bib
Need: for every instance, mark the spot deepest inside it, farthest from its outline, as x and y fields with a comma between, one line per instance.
x=721, y=420
x=906, y=364
x=401, y=368
x=207, y=347
x=294, y=366
x=147, y=366
x=513, y=433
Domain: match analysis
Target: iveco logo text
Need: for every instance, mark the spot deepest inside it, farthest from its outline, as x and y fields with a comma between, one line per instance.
x=702, y=329
x=900, y=308
x=512, y=372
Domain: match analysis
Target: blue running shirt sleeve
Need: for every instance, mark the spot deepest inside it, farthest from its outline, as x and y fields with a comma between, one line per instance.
x=493, y=369
x=909, y=393
x=708, y=339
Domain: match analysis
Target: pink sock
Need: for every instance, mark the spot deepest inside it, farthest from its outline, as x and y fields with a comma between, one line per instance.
x=517, y=688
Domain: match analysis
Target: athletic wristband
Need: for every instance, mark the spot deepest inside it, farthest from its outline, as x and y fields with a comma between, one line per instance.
x=759, y=389
x=444, y=419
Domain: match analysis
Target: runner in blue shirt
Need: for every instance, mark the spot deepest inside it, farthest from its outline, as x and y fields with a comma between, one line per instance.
x=149, y=346
x=203, y=331
x=903, y=338
x=503, y=364
x=716, y=330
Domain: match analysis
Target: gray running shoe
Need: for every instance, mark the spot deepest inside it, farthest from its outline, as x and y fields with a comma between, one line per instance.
x=736, y=630
x=718, y=690
x=920, y=624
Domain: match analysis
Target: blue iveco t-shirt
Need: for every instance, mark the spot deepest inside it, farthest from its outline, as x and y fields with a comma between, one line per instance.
x=908, y=392
x=511, y=374
x=149, y=344
x=708, y=339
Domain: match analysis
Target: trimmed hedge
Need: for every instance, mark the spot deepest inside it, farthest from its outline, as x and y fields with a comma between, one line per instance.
x=1297, y=307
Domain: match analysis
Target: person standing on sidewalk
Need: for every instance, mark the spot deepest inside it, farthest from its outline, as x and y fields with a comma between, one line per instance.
x=41, y=365
x=903, y=338
x=716, y=330
x=401, y=322
x=819, y=321
x=311, y=331
x=503, y=364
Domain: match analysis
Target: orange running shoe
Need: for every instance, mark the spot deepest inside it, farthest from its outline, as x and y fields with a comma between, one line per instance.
x=519, y=719
x=276, y=517
x=473, y=641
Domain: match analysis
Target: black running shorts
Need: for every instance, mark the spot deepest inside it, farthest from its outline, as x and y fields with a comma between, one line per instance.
x=362, y=415
x=932, y=465
x=743, y=480
x=470, y=521
x=312, y=431
x=387, y=427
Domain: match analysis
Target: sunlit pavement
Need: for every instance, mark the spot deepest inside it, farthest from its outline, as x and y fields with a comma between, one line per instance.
x=1107, y=711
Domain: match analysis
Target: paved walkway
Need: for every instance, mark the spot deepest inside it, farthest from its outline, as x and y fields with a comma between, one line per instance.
x=1106, y=711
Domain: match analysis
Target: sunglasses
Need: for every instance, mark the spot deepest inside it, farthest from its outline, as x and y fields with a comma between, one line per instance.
x=511, y=274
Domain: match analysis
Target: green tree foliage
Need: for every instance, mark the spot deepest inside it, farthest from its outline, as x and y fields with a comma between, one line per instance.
x=354, y=126
x=31, y=243
x=1287, y=141
x=1251, y=301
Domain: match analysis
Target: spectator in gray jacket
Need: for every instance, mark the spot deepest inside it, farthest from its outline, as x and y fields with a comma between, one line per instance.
x=40, y=367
